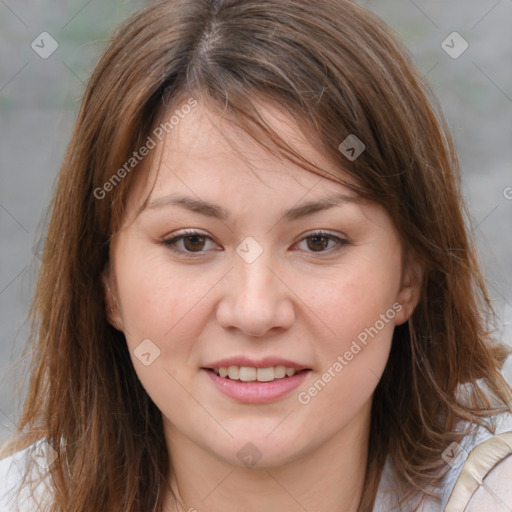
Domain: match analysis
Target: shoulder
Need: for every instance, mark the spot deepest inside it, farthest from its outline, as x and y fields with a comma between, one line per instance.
x=478, y=479
x=14, y=495
x=479, y=475
x=477, y=482
x=482, y=480
x=494, y=492
x=11, y=473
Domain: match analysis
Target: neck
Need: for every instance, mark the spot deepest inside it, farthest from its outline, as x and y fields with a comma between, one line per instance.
x=324, y=478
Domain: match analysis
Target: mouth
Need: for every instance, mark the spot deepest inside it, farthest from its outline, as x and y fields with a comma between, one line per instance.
x=256, y=385
x=253, y=374
x=255, y=381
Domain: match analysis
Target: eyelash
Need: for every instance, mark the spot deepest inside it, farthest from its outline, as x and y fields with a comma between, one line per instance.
x=171, y=242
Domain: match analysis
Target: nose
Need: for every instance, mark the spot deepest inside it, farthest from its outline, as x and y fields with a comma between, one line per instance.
x=255, y=300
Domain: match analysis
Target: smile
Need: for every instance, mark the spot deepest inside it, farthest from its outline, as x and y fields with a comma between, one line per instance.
x=261, y=385
x=252, y=374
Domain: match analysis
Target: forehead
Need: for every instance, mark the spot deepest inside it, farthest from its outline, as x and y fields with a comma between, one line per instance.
x=205, y=154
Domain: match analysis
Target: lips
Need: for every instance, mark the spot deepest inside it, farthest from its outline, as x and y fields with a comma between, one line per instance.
x=256, y=381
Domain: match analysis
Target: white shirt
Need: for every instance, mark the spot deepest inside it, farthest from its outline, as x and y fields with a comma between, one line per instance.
x=11, y=473
x=479, y=478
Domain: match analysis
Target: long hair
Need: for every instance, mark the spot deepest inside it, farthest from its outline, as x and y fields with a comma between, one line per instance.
x=338, y=71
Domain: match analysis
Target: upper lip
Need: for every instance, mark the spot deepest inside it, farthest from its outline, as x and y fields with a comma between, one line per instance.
x=266, y=362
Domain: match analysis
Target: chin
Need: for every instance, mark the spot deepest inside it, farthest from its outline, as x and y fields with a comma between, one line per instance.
x=260, y=452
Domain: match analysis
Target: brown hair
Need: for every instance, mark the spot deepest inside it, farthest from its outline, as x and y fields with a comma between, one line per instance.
x=338, y=70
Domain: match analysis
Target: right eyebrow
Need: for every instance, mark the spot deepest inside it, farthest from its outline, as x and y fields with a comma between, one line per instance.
x=192, y=204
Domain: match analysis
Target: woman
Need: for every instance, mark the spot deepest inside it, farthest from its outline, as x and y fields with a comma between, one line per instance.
x=260, y=292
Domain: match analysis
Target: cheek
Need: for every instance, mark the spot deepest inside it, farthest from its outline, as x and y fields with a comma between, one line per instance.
x=165, y=312
x=355, y=301
x=154, y=297
x=351, y=353
x=354, y=338
x=168, y=309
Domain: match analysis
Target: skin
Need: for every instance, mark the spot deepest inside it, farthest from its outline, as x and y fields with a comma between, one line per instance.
x=293, y=301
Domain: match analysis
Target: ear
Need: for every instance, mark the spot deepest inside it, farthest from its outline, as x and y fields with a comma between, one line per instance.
x=112, y=312
x=410, y=292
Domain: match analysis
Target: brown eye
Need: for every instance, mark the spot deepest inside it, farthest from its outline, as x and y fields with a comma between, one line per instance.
x=194, y=243
x=322, y=243
x=317, y=243
x=191, y=244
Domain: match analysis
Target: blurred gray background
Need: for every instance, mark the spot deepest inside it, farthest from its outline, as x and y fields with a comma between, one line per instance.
x=39, y=98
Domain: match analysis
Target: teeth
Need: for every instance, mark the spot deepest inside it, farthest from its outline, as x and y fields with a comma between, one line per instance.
x=251, y=374
x=247, y=374
x=279, y=372
x=265, y=374
x=233, y=372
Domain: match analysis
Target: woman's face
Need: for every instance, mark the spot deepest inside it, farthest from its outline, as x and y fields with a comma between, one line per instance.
x=246, y=265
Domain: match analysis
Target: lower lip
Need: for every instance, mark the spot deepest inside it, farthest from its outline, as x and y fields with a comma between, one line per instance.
x=257, y=392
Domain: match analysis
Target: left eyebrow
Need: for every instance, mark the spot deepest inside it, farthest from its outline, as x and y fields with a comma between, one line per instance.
x=305, y=209
x=212, y=210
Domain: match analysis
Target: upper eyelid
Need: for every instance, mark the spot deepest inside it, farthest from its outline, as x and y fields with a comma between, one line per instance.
x=194, y=231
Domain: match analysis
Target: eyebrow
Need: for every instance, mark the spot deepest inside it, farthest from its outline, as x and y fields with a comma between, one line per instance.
x=211, y=210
